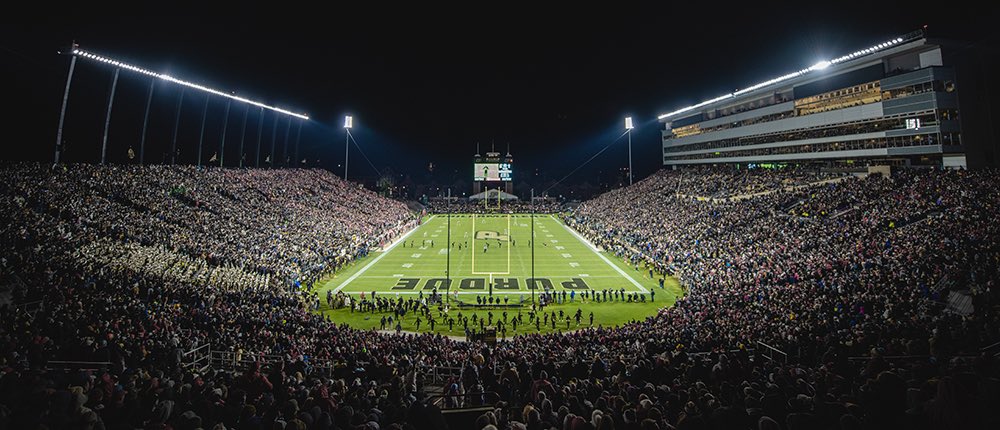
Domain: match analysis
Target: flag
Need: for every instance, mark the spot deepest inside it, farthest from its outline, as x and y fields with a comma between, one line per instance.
x=215, y=157
x=268, y=159
x=131, y=154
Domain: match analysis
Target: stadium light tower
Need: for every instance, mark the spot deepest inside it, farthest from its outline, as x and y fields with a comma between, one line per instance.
x=348, y=123
x=75, y=52
x=65, y=99
x=628, y=129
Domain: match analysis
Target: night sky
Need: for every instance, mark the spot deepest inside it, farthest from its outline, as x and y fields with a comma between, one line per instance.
x=426, y=87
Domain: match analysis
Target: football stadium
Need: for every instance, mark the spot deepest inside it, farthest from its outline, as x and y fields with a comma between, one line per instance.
x=289, y=233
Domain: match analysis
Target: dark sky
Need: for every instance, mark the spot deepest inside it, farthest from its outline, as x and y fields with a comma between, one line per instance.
x=425, y=87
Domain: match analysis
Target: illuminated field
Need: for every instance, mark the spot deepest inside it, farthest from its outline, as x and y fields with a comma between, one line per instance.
x=420, y=260
x=563, y=261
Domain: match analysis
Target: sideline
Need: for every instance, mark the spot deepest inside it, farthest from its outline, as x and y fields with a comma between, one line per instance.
x=593, y=248
x=383, y=254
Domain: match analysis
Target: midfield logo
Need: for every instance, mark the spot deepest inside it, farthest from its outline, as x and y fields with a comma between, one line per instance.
x=491, y=235
x=479, y=284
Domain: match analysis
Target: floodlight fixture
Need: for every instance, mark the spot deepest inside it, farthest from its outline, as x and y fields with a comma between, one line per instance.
x=818, y=66
x=91, y=56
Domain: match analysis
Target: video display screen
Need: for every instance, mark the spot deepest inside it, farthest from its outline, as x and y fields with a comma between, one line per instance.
x=492, y=172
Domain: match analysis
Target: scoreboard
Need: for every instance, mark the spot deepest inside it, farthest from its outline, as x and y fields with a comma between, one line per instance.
x=491, y=172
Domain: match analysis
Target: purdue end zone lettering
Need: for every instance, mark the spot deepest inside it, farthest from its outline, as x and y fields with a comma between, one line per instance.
x=479, y=284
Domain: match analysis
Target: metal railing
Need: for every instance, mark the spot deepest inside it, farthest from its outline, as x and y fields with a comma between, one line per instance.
x=29, y=308
x=728, y=351
x=771, y=353
x=231, y=360
x=77, y=365
x=891, y=358
x=467, y=400
x=992, y=350
x=198, y=359
x=435, y=375
x=237, y=360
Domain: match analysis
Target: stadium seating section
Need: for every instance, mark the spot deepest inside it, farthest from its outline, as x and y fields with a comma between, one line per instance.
x=812, y=301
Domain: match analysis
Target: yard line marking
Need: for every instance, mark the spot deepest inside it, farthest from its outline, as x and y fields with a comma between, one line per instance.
x=416, y=255
x=407, y=265
x=574, y=264
x=549, y=235
x=376, y=259
x=594, y=248
x=560, y=248
x=473, y=243
x=583, y=275
x=398, y=275
x=508, y=243
x=566, y=255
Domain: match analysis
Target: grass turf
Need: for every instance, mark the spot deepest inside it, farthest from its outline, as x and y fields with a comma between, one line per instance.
x=419, y=261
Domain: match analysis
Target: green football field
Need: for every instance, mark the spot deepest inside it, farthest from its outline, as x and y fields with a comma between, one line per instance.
x=493, y=253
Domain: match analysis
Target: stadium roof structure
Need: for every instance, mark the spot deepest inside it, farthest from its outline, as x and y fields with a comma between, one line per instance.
x=815, y=67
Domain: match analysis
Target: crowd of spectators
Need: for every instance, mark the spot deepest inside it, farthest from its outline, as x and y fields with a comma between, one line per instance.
x=282, y=226
x=724, y=183
x=813, y=259
x=133, y=266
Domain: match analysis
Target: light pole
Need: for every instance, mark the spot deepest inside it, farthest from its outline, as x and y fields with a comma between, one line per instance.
x=62, y=111
x=107, y=118
x=348, y=123
x=225, y=124
x=243, y=134
x=201, y=136
x=145, y=122
x=177, y=123
x=260, y=129
x=628, y=129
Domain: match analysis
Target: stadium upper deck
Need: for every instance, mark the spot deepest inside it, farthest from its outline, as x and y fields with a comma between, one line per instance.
x=893, y=103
